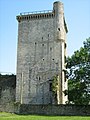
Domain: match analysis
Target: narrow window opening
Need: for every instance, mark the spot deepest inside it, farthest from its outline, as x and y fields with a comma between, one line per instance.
x=50, y=86
x=65, y=76
x=65, y=45
x=39, y=78
x=50, y=48
x=58, y=29
x=65, y=60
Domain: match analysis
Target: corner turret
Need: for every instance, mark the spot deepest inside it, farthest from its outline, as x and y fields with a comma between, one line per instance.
x=60, y=25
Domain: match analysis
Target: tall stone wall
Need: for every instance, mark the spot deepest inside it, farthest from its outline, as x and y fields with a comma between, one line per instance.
x=33, y=56
x=41, y=56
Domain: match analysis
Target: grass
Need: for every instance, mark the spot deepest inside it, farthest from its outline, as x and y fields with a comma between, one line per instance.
x=8, y=116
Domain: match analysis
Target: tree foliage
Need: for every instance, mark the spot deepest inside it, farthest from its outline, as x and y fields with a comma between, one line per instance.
x=78, y=66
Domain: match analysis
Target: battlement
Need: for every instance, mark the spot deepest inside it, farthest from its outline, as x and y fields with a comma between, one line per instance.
x=35, y=15
x=36, y=12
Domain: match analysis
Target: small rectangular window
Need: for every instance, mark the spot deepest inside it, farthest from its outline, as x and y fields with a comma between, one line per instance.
x=65, y=45
x=58, y=29
x=50, y=86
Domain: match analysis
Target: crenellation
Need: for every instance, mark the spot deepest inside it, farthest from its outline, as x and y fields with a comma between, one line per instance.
x=35, y=16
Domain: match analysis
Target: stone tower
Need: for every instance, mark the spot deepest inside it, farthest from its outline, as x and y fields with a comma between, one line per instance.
x=41, y=57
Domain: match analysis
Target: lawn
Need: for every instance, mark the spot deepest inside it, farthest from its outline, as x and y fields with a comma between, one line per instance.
x=8, y=116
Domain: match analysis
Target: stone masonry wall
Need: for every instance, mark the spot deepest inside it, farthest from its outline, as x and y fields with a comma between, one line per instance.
x=7, y=92
x=82, y=110
x=41, y=56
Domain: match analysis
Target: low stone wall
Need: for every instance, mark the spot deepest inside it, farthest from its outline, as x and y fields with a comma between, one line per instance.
x=8, y=107
x=83, y=110
x=68, y=110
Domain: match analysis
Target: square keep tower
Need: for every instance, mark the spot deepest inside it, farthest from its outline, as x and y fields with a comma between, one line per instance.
x=41, y=57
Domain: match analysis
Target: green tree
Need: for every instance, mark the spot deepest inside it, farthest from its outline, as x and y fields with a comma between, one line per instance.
x=78, y=66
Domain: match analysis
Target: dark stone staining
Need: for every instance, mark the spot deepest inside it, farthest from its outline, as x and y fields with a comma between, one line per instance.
x=7, y=81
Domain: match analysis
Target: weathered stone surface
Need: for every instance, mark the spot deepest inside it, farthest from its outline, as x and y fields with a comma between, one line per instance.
x=76, y=110
x=7, y=92
x=40, y=56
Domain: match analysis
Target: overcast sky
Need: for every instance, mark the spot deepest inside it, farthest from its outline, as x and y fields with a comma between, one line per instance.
x=77, y=15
